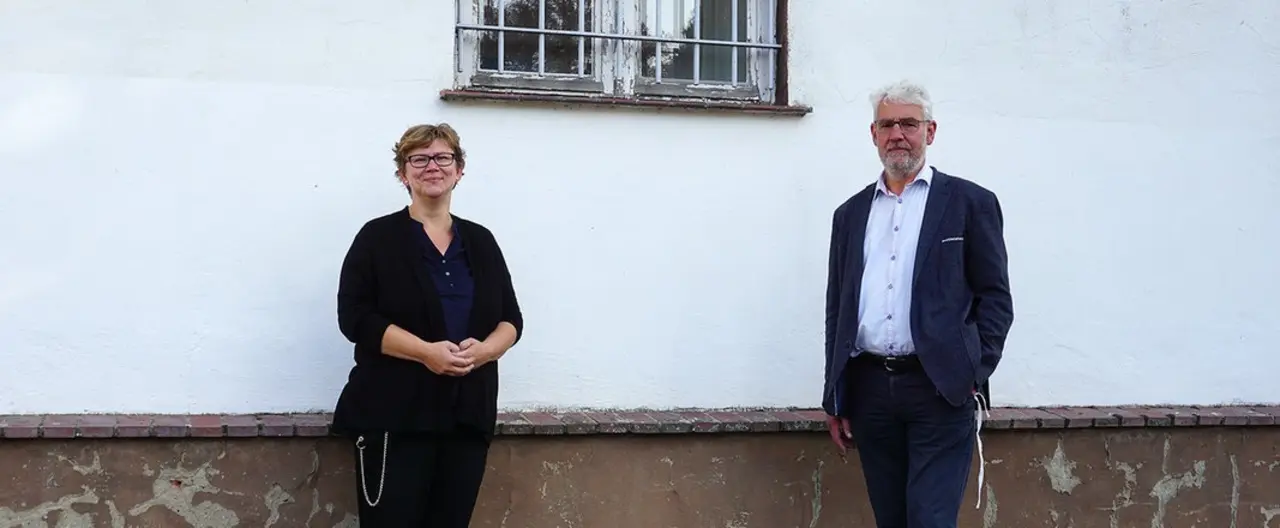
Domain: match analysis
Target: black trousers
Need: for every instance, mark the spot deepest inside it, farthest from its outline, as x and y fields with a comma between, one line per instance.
x=915, y=447
x=428, y=481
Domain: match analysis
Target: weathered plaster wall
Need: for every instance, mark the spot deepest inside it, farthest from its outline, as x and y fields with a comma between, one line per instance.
x=181, y=179
x=1210, y=477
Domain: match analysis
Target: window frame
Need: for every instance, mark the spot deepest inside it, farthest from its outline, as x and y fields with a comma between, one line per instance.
x=616, y=51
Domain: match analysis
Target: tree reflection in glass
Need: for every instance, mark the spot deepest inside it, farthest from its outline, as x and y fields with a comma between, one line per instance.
x=520, y=51
x=715, y=22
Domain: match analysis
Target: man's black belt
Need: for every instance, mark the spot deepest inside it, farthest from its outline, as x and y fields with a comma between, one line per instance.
x=906, y=363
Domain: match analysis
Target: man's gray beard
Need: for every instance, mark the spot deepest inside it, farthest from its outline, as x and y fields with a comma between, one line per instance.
x=901, y=170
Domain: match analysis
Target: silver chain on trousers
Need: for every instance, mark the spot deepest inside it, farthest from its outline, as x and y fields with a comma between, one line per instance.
x=382, y=478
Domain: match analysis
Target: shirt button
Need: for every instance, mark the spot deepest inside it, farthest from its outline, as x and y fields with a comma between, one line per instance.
x=899, y=200
x=893, y=257
x=890, y=286
x=895, y=228
x=890, y=316
x=446, y=274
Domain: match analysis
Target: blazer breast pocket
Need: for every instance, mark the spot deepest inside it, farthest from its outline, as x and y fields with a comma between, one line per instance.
x=951, y=255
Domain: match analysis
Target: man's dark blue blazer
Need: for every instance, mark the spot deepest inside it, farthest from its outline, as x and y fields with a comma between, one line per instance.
x=961, y=308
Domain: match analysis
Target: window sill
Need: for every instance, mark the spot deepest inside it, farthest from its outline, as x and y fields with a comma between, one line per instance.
x=601, y=101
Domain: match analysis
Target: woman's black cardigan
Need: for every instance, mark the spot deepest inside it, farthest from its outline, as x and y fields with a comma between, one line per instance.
x=384, y=281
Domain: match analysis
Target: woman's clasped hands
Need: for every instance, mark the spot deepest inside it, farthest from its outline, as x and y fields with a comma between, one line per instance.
x=448, y=359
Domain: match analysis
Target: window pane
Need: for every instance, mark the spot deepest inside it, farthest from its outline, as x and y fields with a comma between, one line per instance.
x=676, y=18
x=520, y=52
x=562, y=51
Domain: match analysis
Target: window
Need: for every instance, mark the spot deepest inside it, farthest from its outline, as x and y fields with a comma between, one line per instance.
x=705, y=49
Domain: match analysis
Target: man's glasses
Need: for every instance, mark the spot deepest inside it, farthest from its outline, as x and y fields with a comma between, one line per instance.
x=420, y=161
x=908, y=124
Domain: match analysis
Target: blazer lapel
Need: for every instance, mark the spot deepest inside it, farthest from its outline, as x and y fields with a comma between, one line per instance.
x=935, y=209
x=858, y=233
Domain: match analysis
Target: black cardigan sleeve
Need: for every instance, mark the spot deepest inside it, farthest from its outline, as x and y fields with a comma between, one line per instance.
x=510, y=305
x=358, y=318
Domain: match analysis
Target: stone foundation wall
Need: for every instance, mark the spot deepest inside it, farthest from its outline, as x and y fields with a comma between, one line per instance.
x=1132, y=467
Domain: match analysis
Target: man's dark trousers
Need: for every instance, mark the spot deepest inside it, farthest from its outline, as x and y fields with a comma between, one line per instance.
x=915, y=447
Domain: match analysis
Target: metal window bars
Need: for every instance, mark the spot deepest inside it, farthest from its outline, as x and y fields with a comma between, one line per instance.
x=542, y=31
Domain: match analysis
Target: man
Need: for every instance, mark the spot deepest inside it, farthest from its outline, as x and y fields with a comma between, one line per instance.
x=918, y=307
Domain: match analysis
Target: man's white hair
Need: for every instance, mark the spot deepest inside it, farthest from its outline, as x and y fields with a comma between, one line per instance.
x=903, y=92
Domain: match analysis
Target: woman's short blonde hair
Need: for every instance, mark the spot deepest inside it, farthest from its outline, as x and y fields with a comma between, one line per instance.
x=419, y=136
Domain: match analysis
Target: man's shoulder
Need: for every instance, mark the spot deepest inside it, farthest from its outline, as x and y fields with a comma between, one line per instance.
x=965, y=186
x=860, y=195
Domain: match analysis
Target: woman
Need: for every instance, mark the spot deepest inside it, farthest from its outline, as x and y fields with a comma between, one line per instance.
x=427, y=300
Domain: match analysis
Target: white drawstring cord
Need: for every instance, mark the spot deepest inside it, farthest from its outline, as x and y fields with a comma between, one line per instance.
x=382, y=479
x=978, y=414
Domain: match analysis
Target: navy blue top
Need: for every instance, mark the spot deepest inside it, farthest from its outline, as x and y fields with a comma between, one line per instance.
x=451, y=273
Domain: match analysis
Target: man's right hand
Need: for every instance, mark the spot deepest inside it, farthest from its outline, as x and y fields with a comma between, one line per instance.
x=838, y=427
x=441, y=359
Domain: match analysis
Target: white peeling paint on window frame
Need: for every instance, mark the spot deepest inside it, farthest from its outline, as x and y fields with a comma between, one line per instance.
x=617, y=71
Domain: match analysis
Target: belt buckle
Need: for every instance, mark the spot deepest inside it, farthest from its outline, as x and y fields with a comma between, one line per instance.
x=889, y=363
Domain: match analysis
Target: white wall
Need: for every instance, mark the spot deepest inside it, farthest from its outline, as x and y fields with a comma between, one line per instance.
x=182, y=178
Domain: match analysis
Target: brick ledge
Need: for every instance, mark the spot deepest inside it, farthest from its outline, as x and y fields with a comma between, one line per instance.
x=617, y=422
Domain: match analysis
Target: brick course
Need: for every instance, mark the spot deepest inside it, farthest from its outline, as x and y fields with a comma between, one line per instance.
x=706, y=421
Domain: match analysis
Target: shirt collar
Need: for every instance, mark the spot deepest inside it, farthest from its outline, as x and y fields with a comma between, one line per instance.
x=925, y=175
